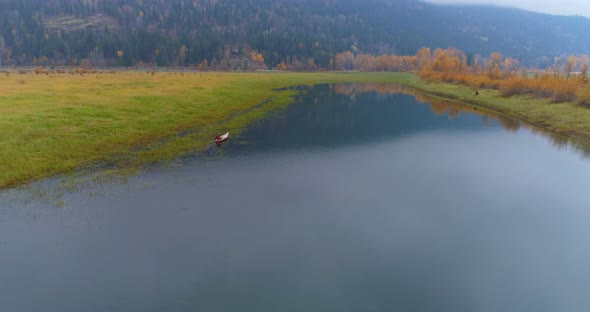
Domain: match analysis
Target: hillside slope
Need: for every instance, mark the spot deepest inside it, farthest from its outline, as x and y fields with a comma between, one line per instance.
x=126, y=32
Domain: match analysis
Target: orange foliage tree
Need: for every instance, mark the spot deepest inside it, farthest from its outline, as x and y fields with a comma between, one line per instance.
x=495, y=72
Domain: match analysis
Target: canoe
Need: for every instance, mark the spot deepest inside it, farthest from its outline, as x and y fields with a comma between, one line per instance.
x=223, y=138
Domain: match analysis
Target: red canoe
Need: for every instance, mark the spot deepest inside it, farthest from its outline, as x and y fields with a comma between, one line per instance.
x=222, y=138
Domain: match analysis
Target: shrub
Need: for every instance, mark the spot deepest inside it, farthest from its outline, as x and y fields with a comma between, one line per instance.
x=81, y=71
x=515, y=86
x=40, y=70
x=584, y=96
x=565, y=91
x=543, y=85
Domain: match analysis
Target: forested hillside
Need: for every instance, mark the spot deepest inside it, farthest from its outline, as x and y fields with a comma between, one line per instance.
x=246, y=34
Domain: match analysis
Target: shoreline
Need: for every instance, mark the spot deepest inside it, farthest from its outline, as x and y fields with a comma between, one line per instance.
x=533, y=111
x=61, y=124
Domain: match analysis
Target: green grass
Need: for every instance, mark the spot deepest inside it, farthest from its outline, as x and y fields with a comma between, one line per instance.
x=567, y=119
x=53, y=124
x=57, y=123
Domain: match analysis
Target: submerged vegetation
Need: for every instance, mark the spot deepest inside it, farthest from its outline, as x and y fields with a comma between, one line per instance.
x=56, y=122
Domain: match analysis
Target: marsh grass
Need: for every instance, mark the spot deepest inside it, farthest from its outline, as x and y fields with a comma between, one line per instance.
x=58, y=123
x=567, y=118
x=124, y=120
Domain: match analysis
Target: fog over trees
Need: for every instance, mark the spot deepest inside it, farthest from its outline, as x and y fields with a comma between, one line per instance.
x=252, y=34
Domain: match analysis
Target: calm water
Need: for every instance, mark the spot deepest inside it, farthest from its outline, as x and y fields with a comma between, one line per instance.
x=344, y=201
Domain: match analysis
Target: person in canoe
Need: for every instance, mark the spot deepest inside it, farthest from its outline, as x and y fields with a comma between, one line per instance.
x=221, y=138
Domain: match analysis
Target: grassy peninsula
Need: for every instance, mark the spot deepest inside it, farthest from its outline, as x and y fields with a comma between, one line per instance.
x=55, y=123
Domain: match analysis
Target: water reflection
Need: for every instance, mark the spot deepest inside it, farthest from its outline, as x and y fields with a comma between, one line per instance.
x=454, y=109
x=338, y=115
x=322, y=116
x=336, y=203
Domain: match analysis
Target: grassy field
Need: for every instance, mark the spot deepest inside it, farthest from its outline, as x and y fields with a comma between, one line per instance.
x=56, y=123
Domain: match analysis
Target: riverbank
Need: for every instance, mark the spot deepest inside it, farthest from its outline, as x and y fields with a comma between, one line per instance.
x=567, y=119
x=56, y=123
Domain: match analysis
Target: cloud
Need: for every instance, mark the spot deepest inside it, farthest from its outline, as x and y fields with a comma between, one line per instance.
x=564, y=7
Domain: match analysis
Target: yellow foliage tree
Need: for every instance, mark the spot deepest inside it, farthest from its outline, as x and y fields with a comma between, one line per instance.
x=423, y=58
x=584, y=68
x=345, y=61
x=570, y=65
x=182, y=54
x=282, y=66
x=494, y=65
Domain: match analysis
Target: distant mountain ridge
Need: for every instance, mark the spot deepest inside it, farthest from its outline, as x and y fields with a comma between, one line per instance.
x=128, y=32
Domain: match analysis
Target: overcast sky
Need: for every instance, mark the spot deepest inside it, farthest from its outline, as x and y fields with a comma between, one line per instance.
x=558, y=7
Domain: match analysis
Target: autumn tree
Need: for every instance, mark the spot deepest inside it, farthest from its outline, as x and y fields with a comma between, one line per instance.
x=310, y=65
x=570, y=64
x=294, y=64
x=345, y=61
x=409, y=63
x=203, y=66
x=477, y=66
x=555, y=68
x=120, y=55
x=441, y=61
x=155, y=56
x=584, y=68
x=282, y=66
x=182, y=54
x=257, y=59
x=365, y=62
x=509, y=65
x=455, y=53
x=423, y=58
x=437, y=53
x=494, y=65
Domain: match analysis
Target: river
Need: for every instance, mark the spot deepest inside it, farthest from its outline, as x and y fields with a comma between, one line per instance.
x=352, y=198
